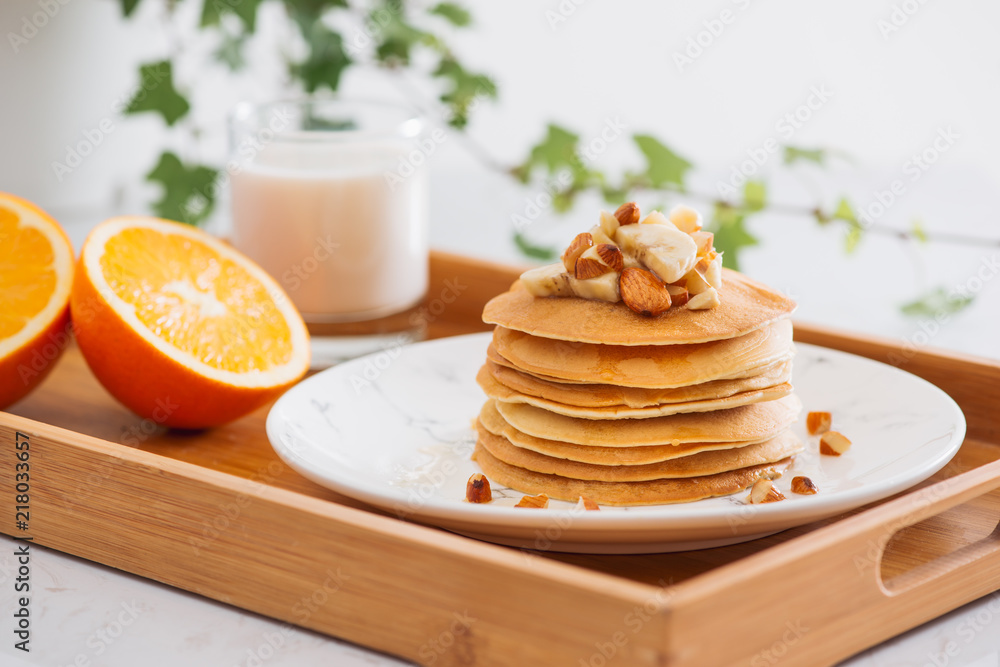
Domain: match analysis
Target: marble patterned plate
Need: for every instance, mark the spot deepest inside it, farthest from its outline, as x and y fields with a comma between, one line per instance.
x=393, y=429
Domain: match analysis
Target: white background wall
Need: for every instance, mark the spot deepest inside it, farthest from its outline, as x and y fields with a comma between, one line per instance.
x=891, y=93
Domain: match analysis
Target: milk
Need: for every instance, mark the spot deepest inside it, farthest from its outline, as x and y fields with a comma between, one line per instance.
x=335, y=224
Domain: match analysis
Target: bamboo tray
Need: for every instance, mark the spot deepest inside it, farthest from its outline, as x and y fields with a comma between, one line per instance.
x=217, y=513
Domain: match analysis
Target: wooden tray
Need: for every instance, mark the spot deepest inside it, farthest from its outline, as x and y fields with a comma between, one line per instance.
x=218, y=514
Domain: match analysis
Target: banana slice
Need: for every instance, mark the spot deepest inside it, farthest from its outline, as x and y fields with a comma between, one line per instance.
x=548, y=280
x=603, y=287
x=597, y=233
x=707, y=299
x=711, y=268
x=609, y=224
x=667, y=252
x=657, y=218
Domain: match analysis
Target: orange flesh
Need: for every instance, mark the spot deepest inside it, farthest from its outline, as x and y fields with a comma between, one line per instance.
x=188, y=296
x=27, y=273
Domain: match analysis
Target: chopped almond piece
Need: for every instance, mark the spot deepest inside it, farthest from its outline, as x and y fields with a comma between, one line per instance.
x=804, y=486
x=477, y=489
x=686, y=219
x=818, y=422
x=611, y=255
x=678, y=295
x=541, y=501
x=627, y=213
x=764, y=491
x=833, y=443
x=586, y=504
x=576, y=248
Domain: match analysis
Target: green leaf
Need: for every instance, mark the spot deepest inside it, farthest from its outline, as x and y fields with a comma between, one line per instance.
x=855, y=230
x=731, y=235
x=128, y=6
x=326, y=60
x=528, y=249
x=663, y=166
x=465, y=88
x=755, y=195
x=938, y=302
x=845, y=212
x=188, y=190
x=230, y=51
x=795, y=154
x=852, y=239
x=246, y=10
x=555, y=152
x=455, y=14
x=918, y=231
x=157, y=93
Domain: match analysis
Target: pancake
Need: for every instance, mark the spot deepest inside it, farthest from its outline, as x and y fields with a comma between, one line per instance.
x=696, y=465
x=607, y=395
x=650, y=366
x=746, y=306
x=498, y=391
x=750, y=422
x=492, y=421
x=661, y=491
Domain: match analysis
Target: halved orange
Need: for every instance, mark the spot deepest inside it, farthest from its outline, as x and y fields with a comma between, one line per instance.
x=180, y=327
x=36, y=271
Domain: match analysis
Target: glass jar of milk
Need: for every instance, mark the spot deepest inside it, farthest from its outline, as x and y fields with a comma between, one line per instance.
x=330, y=197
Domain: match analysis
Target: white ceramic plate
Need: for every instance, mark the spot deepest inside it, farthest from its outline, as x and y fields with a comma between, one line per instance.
x=394, y=430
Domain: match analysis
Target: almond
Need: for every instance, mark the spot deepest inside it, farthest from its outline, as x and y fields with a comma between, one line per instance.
x=643, y=292
x=833, y=443
x=678, y=295
x=803, y=486
x=586, y=503
x=541, y=501
x=627, y=213
x=611, y=255
x=764, y=491
x=576, y=248
x=818, y=422
x=588, y=267
x=477, y=489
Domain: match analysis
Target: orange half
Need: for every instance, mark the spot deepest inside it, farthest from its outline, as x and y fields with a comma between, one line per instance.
x=180, y=327
x=36, y=272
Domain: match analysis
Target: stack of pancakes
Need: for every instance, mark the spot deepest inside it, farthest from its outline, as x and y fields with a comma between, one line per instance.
x=587, y=398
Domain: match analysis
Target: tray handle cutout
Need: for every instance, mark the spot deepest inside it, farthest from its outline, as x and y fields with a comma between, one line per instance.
x=931, y=544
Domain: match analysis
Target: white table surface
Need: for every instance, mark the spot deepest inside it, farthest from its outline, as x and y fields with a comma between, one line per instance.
x=88, y=614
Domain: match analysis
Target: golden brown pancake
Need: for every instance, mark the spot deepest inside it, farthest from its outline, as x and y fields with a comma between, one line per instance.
x=746, y=306
x=607, y=395
x=696, y=465
x=661, y=491
x=750, y=422
x=651, y=366
x=493, y=422
x=498, y=391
